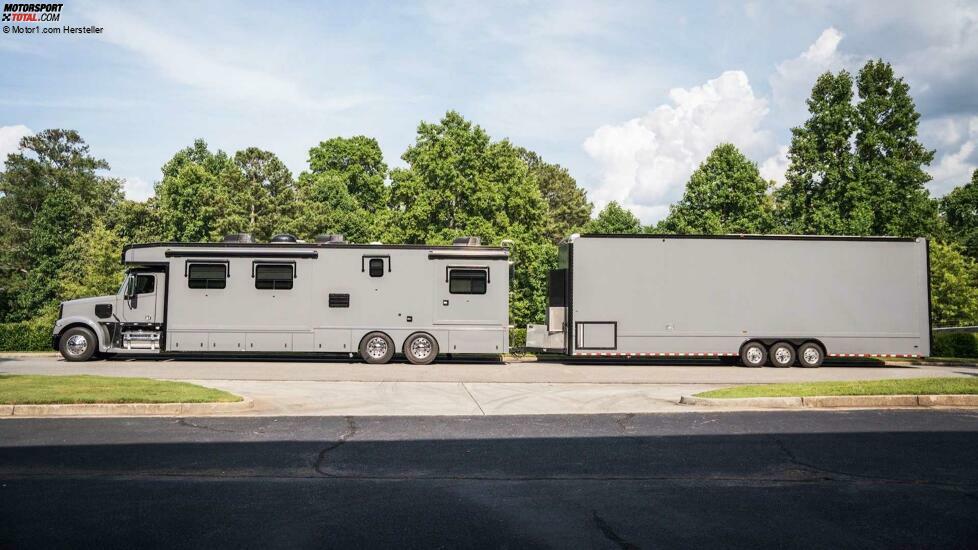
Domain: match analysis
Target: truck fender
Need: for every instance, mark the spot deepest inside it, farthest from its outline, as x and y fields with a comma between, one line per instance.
x=101, y=332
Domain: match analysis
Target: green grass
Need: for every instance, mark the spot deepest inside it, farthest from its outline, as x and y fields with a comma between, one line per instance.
x=913, y=386
x=36, y=390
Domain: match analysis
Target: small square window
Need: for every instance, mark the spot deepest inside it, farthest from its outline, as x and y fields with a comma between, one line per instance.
x=467, y=281
x=376, y=267
x=274, y=276
x=207, y=275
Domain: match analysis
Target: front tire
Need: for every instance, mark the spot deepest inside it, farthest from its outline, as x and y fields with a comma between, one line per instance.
x=376, y=348
x=78, y=344
x=782, y=355
x=811, y=355
x=753, y=354
x=421, y=348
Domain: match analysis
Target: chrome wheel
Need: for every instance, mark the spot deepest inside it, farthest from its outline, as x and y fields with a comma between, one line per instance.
x=377, y=347
x=76, y=345
x=755, y=355
x=811, y=355
x=421, y=347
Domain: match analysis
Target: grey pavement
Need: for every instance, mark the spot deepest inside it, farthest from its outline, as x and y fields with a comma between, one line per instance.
x=463, y=388
x=839, y=479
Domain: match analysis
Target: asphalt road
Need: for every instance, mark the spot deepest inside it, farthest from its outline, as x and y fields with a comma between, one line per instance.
x=737, y=479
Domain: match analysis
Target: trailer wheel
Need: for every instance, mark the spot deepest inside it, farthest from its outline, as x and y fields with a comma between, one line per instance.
x=421, y=348
x=376, y=348
x=78, y=344
x=782, y=355
x=753, y=354
x=811, y=355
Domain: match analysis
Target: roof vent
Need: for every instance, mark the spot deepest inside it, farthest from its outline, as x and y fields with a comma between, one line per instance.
x=467, y=241
x=239, y=238
x=330, y=239
x=283, y=238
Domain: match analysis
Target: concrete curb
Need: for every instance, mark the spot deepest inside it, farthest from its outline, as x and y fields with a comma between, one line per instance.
x=763, y=402
x=127, y=409
x=836, y=401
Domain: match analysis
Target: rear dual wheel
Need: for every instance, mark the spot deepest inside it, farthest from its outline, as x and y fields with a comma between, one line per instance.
x=377, y=348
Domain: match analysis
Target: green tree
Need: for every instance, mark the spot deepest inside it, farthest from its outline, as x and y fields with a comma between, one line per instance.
x=960, y=209
x=954, y=286
x=460, y=182
x=857, y=167
x=267, y=194
x=726, y=194
x=50, y=191
x=360, y=162
x=822, y=195
x=202, y=196
x=135, y=222
x=890, y=158
x=568, y=209
x=614, y=220
x=90, y=266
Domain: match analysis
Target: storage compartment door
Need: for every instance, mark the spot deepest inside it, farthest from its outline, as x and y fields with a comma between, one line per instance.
x=596, y=335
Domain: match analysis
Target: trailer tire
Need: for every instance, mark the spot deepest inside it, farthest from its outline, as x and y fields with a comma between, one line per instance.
x=811, y=355
x=753, y=354
x=376, y=348
x=782, y=355
x=78, y=344
x=421, y=348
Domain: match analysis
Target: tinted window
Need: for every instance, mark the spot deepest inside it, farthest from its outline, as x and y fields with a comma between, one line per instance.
x=274, y=276
x=376, y=267
x=207, y=276
x=467, y=281
x=145, y=284
x=557, y=288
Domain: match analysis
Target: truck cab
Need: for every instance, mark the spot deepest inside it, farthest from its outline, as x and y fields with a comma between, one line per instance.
x=128, y=321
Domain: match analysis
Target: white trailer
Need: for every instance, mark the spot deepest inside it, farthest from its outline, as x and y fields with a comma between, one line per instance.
x=778, y=300
x=287, y=297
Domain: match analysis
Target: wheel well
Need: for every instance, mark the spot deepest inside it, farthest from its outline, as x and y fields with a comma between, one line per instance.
x=66, y=328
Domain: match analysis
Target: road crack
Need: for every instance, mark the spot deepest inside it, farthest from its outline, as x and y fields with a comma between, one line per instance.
x=351, y=430
x=610, y=533
x=184, y=422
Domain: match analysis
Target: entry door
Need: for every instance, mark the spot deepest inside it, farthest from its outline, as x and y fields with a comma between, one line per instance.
x=462, y=293
x=139, y=299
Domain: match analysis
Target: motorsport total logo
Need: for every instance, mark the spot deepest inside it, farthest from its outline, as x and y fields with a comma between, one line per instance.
x=39, y=13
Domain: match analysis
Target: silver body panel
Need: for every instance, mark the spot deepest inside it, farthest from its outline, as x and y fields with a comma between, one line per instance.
x=707, y=296
x=412, y=295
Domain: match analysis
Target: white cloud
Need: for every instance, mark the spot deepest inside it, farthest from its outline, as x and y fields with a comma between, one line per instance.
x=137, y=189
x=646, y=161
x=791, y=83
x=10, y=139
x=775, y=166
x=955, y=167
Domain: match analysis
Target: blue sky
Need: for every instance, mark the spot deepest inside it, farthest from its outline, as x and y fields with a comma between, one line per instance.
x=629, y=96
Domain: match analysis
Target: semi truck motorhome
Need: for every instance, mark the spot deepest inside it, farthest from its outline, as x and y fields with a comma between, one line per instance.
x=767, y=300
x=291, y=297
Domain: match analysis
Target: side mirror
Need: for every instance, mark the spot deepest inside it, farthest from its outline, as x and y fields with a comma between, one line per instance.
x=133, y=300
